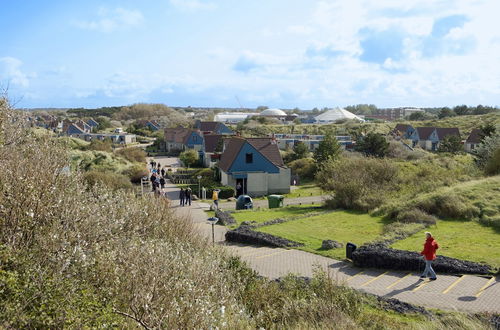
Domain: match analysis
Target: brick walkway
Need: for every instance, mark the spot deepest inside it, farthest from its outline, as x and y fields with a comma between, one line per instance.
x=465, y=293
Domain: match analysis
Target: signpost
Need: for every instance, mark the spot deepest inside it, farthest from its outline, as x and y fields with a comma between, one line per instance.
x=199, y=187
x=144, y=180
x=213, y=221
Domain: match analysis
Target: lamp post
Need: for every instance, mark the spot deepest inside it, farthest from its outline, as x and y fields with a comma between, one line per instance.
x=199, y=186
x=144, y=179
x=213, y=221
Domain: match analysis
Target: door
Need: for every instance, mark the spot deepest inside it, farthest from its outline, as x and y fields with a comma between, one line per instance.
x=241, y=187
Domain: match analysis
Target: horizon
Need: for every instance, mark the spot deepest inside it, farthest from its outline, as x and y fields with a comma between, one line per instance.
x=213, y=54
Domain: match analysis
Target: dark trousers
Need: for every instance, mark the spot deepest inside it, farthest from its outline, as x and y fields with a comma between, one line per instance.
x=182, y=201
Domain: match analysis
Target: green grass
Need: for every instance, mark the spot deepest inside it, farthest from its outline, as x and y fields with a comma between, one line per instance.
x=264, y=215
x=466, y=240
x=304, y=190
x=342, y=226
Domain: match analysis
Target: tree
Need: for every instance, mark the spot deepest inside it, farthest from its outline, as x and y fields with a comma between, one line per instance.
x=486, y=149
x=446, y=112
x=451, y=143
x=419, y=116
x=487, y=129
x=461, y=110
x=327, y=149
x=300, y=150
x=189, y=157
x=373, y=144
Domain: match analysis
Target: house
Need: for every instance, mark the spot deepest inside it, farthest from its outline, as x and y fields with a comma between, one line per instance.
x=288, y=141
x=473, y=140
x=254, y=166
x=93, y=124
x=428, y=138
x=180, y=138
x=212, y=148
x=403, y=131
x=149, y=124
x=212, y=127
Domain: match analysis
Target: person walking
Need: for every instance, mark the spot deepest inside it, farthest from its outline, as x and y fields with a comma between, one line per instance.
x=182, y=195
x=188, y=196
x=162, y=182
x=215, y=198
x=162, y=172
x=429, y=254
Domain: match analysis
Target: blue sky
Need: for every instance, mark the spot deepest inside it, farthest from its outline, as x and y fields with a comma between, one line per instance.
x=279, y=53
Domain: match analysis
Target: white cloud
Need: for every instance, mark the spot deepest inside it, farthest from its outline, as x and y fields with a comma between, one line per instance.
x=110, y=20
x=300, y=29
x=10, y=69
x=192, y=5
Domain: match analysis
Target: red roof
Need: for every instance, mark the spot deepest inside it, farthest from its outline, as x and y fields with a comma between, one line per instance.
x=424, y=132
x=211, y=141
x=443, y=132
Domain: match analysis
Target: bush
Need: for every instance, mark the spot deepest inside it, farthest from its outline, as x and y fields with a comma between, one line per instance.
x=493, y=163
x=449, y=206
x=357, y=183
x=132, y=154
x=136, y=172
x=416, y=216
x=112, y=180
x=98, y=145
x=305, y=168
x=225, y=192
x=189, y=157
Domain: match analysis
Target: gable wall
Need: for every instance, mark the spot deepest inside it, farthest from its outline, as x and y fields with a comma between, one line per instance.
x=260, y=163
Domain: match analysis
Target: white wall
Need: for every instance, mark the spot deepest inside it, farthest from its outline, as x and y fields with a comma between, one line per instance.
x=279, y=183
x=257, y=184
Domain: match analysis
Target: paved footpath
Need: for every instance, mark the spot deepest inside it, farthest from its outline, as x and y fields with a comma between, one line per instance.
x=465, y=293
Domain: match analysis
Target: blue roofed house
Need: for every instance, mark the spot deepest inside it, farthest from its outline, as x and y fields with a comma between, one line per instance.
x=254, y=166
x=93, y=124
x=179, y=139
x=403, y=131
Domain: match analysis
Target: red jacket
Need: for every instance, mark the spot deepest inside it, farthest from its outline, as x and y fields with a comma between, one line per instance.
x=430, y=247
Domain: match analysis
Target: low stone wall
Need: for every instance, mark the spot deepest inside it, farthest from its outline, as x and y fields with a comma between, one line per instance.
x=244, y=234
x=225, y=218
x=376, y=256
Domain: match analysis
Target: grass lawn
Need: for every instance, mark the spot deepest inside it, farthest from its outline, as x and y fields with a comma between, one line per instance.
x=342, y=226
x=304, y=190
x=264, y=215
x=466, y=240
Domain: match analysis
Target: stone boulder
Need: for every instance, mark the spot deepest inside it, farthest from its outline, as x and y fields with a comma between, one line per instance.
x=377, y=256
x=225, y=218
x=329, y=244
x=246, y=235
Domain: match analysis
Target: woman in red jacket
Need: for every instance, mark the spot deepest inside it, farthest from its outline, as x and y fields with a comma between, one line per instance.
x=429, y=253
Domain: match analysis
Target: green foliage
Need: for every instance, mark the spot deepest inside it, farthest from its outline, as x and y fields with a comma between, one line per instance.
x=300, y=150
x=486, y=149
x=451, y=143
x=493, y=165
x=446, y=112
x=373, y=145
x=329, y=148
x=420, y=116
x=416, y=216
x=132, y=154
x=135, y=172
x=104, y=111
x=189, y=157
x=98, y=145
x=112, y=180
x=305, y=168
x=103, y=122
x=357, y=183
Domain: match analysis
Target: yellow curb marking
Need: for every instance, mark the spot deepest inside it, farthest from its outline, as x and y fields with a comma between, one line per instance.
x=480, y=292
x=272, y=254
x=361, y=272
x=373, y=279
x=421, y=285
x=454, y=284
x=402, y=278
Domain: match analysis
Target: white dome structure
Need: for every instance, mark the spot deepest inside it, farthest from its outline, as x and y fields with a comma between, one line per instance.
x=336, y=114
x=273, y=113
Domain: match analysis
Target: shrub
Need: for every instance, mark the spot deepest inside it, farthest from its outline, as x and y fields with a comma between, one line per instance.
x=189, y=157
x=132, y=154
x=98, y=145
x=305, y=168
x=373, y=144
x=111, y=180
x=416, y=216
x=492, y=166
x=225, y=192
x=357, y=183
x=136, y=172
x=449, y=206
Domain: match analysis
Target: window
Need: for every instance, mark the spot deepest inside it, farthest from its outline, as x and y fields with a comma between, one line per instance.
x=249, y=158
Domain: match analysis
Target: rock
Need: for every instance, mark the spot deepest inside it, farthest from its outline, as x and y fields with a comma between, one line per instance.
x=245, y=234
x=329, y=244
x=247, y=223
x=231, y=199
x=225, y=218
x=378, y=256
x=402, y=307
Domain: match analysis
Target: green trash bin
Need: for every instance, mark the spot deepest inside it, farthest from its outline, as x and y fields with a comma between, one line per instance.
x=275, y=201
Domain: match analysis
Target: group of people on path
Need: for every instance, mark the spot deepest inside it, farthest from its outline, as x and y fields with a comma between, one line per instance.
x=185, y=196
x=157, y=178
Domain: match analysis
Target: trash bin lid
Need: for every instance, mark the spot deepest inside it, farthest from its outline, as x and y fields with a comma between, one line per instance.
x=280, y=197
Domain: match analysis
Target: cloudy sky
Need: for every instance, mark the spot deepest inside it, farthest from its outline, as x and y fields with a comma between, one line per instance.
x=279, y=53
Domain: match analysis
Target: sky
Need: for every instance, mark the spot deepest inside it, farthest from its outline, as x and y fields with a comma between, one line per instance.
x=227, y=53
